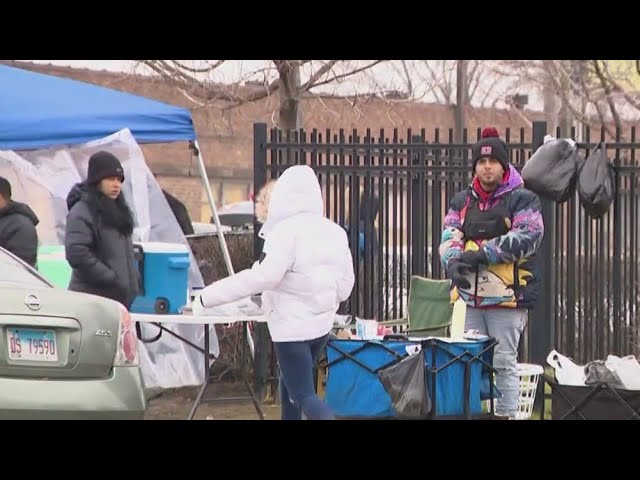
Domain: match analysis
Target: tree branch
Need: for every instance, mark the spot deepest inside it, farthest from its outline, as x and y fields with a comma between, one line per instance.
x=488, y=92
x=408, y=77
x=318, y=75
x=206, y=69
x=607, y=91
x=435, y=81
x=632, y=101
x=557, y=75
x=473, y=80
x=336, y=78
x=447, y=87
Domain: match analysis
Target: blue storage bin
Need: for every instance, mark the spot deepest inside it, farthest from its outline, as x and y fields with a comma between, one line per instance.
x=164, y=277
x=354, y=389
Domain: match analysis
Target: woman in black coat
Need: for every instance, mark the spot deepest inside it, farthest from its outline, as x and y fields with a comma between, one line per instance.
x=98, y=243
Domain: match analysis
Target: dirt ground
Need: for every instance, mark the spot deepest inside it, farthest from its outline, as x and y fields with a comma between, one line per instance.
x=176, y=404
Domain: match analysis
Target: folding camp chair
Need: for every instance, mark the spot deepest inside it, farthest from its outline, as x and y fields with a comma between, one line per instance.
x=429, y=311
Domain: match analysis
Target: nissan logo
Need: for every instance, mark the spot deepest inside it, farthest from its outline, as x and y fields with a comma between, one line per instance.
x=32, y=302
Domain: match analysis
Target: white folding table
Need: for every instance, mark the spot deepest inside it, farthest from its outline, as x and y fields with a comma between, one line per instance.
x=206, y=321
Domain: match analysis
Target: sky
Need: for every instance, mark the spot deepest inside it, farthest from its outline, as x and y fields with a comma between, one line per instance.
x=111, y=65
x=381, y=77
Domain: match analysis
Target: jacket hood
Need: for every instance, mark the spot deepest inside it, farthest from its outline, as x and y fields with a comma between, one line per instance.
x=17, y=208
x=75, y=194
x=296, y=191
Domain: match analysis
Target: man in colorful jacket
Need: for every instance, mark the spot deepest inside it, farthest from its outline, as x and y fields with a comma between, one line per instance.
x=490, y=237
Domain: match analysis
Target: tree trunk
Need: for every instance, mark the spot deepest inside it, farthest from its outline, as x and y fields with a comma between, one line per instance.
x=550, y=106
x=290, y=114
x=461, y=98
x=566, y=118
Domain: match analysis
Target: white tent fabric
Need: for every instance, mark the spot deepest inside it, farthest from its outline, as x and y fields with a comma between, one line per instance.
x=43, y=178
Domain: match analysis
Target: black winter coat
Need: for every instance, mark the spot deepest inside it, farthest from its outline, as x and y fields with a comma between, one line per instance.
x=18, y=231
x=99, y=247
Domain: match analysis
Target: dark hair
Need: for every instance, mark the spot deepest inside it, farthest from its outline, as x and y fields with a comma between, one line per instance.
x=5, y=188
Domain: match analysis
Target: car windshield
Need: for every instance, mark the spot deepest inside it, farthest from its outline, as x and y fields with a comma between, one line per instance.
x=15, y=273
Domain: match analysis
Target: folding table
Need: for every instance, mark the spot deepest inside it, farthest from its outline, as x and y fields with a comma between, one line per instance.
x=207, y=356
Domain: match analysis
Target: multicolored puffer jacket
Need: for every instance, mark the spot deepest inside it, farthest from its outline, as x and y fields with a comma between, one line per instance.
x=511, y=279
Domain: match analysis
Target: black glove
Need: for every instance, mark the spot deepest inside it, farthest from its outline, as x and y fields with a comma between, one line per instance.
x=456, y=271
x=474, y=258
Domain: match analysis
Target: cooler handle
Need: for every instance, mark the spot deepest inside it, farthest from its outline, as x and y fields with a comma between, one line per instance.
x=138, y=254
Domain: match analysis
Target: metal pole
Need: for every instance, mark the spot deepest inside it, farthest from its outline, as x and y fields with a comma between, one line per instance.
x=214, y=210
x=542, y=324
x=216, y=220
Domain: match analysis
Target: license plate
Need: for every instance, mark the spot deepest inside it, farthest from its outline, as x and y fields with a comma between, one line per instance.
x=32, y=344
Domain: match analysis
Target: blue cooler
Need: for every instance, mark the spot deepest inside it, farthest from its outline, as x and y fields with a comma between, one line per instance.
x=164, y=277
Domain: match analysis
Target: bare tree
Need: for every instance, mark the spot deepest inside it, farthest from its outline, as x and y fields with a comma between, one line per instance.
x=441, y=75
x=205, y=84
x=461, y=98
x=585, y=91
x=290, y=79
x=588, y=91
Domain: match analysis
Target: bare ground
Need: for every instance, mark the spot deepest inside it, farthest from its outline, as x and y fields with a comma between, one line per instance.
x=175, y=404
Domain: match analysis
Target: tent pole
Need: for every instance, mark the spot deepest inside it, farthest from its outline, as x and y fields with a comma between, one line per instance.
x=214, y=210
x=216, y=220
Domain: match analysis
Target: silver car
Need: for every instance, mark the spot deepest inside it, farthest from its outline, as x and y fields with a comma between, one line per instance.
x=64, y=355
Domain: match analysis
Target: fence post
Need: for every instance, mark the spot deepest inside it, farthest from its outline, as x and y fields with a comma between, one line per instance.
x=418, y=240
x=260, y=361
x=542, y=316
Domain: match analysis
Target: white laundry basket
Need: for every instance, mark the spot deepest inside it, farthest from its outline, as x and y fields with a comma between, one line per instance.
x=529, y=375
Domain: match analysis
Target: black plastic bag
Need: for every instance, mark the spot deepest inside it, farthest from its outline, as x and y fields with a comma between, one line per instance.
x=552, y=171
x=405, y=382
x=596, y=183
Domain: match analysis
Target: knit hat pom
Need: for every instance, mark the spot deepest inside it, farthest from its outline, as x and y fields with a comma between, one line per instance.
x=490, y=132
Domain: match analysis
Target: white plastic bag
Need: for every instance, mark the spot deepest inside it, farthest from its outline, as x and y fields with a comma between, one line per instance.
x=628, y=370
x=567, y=372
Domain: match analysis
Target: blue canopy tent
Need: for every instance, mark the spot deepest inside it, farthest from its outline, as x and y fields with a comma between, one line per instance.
x=40, y=111
x=44, y=111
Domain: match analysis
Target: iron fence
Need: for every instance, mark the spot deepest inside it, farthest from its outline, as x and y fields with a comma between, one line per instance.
x=391, y=192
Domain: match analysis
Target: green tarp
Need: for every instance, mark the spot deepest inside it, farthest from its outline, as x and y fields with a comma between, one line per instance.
x=53, y=266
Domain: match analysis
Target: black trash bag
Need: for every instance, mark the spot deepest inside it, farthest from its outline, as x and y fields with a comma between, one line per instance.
x=596, y=183
x=405, y=382
x=552, y=171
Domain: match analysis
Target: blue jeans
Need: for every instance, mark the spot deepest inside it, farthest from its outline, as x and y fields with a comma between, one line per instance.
x=297, y=392
x=505, y=325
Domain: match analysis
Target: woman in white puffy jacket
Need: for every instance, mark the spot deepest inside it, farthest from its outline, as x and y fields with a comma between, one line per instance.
x=305, y=271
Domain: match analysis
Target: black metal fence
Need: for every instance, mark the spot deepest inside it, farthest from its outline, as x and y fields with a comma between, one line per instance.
x=595, y=263
x=392, y=192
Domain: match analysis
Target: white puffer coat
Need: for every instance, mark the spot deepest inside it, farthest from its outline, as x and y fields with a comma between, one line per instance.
x=305, y=269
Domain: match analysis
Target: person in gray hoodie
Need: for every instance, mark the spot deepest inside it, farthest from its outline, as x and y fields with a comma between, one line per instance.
x=18, y=223
x=98, y=242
